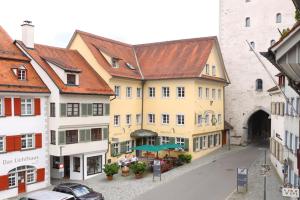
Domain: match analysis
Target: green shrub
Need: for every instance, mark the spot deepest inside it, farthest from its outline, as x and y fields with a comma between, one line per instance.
x=138, y=167
x=187, y=158
x=111, y=169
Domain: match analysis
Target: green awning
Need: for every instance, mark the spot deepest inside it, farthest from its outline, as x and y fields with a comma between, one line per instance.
x=157, y=148
x=143, y=133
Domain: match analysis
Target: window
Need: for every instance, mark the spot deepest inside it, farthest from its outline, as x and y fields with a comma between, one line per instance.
x=207, y=93
x=12, y=180
x=52, y=109
x=128, y=92
x=200, y=92
x=165, y=92
x=117, y=120
x=2, y=147
x=71, y=136
x=292, y=105
x=22, y=74
x=180, y=141
x=139, y=92
x=138, y=119
x=61, y=137
x=114, y=63
x=272, y=42
x=116, y=148
x=96, y=134
x=165, y=140
x=94, y=165
x=86, y=109
x=259, y=85
x=97, y=109
x=52, y=137
x=219, y=94
x=278, y=18
x=151, y=92
x=71, y=79
x=73, y=109
x=213, y=94
x=128, y=146
x=151, y=140
x=30, y=176
x=219, y=118
x=247, y=22
x=207, y=69
x=207, y=119
x=85, y=135
x=151, y=118
x=128, y=119
x=76, y=164
x=199, y=120
x=117, y=91
x=1, y=107
x=252, y=45
x=165, y=119
x=27, y=141
x=180, y=92
x=26, y=106
x=180, y=119
x=213, y=70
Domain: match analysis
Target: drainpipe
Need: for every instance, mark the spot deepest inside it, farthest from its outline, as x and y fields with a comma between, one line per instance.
x=142, y=120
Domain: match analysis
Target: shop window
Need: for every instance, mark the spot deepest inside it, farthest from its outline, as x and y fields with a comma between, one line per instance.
x=97, y=109
x=26, y=106
x=53, y=137
x=71, y=136
x=96, y=134
x=165, y=92
x=76, y=164
x=30, y=176
x=55, y=162
x=71, y=79
x=73, y=109
x=94, y=165
x=27, y=141
x=180, y=92
x=12, y=181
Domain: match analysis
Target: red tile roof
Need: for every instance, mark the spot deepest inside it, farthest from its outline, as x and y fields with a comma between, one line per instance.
x=162, y=60
x=11, y=57
x=89, y=81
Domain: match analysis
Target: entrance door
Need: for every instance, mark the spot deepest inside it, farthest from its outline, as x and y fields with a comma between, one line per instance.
x=67, y=166
x=21, y=182
x=224, y=137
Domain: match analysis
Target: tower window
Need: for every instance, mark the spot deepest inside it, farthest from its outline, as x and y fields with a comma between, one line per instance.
x=278, y=18
x=259, y=84
x=247, y=22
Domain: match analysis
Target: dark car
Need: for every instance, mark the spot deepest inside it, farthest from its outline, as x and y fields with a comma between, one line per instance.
x=79, y=191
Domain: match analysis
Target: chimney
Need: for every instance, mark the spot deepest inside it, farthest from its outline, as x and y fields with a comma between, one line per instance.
x=28, y=34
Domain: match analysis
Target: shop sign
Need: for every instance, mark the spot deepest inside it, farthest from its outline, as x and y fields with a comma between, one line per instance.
x=18, y=160
x=290, y=192
x=242, y=178
x=156, y=169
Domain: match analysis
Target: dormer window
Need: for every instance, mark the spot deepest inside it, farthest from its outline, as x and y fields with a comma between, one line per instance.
x=71, y=79
x=21, y=73
x=114, y=63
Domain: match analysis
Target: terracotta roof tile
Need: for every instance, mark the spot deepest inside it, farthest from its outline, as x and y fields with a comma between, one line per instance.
x=10, y=58
x=89, y=81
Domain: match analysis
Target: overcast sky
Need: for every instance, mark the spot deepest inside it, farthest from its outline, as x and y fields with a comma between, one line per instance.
x=131, y=21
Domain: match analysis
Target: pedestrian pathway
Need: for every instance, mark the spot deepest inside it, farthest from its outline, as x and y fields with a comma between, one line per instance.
x=256, y=183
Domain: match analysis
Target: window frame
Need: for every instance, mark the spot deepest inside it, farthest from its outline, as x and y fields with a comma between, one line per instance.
x=165, y=119
x=53, y=137
x=278, y=18
x=207, y=70
x=247, y=22
x=117, y=120
x=52, y=109
x=70, y=78
x=22, y=74
x=26, y=138
x=180, y=92
x=151, y=118
x=128, y=119
x=128, y=92
x=139, y=92
x=180, y=120
x=71, y=113
x=214, y=70
x=72, y=136
x=200, y=92
x=117, y=91
x=199, y=120
x=98, y=109
x=151, y=91
x=3, y=143
x=25, y=103
x=76, y=165
x=165, y=91
x=138, y=118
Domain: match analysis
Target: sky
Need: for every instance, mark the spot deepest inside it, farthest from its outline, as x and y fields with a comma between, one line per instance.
x=130, y=21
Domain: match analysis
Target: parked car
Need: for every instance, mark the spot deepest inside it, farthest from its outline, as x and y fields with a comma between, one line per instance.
x=79, y=191
x=49, y=195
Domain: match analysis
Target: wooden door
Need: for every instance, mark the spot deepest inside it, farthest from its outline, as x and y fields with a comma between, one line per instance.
x=224, y=137
x=21, y=182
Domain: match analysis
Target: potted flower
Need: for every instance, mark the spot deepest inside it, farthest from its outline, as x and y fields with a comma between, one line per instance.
x=138, y=169
x=110, y=170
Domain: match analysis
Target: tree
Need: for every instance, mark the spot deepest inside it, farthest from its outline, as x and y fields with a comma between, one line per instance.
x=297, y=15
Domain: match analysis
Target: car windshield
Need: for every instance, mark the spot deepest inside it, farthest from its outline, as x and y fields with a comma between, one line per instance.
x=80, y=190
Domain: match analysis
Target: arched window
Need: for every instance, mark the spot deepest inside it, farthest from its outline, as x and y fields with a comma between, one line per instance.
x=27, y=172
x=259, y=85
x=278, y=18
x=247, y=22
x=272, y=42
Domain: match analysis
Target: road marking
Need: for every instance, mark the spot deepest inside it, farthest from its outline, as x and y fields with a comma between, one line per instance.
x=230, y=194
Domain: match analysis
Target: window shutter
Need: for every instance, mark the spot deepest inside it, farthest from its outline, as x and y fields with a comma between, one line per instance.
x=186, y=144
x=88, y=135
x=40, y=174
x=106, y=109
x=84, y=109
x=38, y=140
x=63, y=109
x=17, y=106
x=10, y=143
x=37, y=106
x=7, y=106
x=90, y=109
x=157, y=141
x=82, y=135
x=172, y=140
x=112, y=152
x=17, y=140
x=105, y=133
x=3, y=182
x=62, y=137
x=194, y=144
x=123, y=147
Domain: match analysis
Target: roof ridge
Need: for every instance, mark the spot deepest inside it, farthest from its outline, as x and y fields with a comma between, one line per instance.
x=176, y=41
x=54, y=47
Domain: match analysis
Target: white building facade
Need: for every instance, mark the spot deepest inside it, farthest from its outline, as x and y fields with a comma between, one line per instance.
x=247, y=99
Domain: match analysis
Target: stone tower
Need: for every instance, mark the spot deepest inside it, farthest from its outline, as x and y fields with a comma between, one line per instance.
x=247, y=100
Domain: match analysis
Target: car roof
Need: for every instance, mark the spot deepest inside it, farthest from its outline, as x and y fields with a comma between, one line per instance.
x=49, y=195
x=70, y=185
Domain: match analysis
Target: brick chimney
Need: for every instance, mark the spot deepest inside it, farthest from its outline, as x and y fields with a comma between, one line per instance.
x=28, y=34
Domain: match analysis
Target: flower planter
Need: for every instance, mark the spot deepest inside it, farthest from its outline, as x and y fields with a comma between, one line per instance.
x=125, y=171
x=109, y=178
x=138, y=176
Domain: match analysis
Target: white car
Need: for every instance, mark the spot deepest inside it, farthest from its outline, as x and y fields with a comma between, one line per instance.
x=49, y=195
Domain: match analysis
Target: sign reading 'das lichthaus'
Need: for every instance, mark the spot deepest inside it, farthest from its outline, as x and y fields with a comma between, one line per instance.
x=290, y=192
x=242, y=178
x=19, y=160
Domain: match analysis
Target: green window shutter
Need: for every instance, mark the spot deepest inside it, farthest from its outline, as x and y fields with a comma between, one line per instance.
x=157, y=141
x=82, y=135
x=105, y=133
x=84, y=109
x=112, y=152
x=132, y=144
x=123, y=147
x=106, y=109
x=88, y=135
x=194, y=144
x=62, y=137
x=186, y=144
x=90, y=109
x=63, y=109
x=172, y=140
